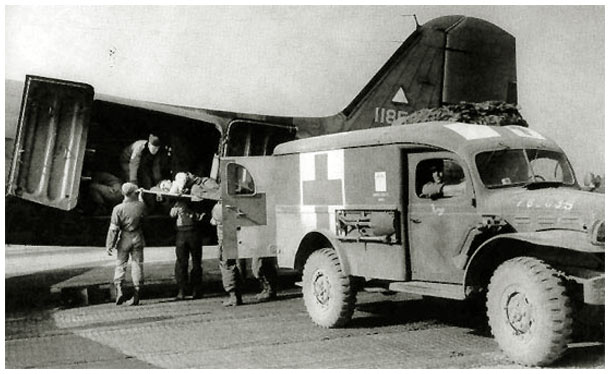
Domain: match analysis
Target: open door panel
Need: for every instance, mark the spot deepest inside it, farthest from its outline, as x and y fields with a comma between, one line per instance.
x=50, y=142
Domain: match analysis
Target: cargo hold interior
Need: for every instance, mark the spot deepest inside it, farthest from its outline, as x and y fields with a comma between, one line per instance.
x=190, y=145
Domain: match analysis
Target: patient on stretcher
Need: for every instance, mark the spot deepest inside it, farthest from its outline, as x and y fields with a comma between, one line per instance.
x=189, y=185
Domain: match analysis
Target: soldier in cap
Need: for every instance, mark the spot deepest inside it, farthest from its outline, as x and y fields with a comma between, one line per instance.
x=143, y=163
x=438, y=187
x=434, y=188
x=126, y=238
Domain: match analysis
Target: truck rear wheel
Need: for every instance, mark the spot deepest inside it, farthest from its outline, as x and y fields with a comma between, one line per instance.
x=327, y=290
x=528, y=310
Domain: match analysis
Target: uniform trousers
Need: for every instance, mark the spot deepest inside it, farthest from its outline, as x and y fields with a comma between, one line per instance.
x=263, y=269
x=188, y=243
x=131, y=244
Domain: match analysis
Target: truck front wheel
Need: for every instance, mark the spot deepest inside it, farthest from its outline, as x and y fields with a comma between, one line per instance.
x=327, y=290
x=528, y=310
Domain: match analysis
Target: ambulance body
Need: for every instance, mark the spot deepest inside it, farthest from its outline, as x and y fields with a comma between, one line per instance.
x=346, y=209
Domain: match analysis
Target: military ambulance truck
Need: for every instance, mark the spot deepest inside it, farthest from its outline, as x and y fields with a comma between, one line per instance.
x=507, y=221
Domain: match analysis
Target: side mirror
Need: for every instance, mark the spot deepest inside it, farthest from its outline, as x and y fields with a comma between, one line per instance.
x=592, y=182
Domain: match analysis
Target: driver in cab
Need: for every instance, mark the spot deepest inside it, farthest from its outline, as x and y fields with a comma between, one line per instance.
x=437, y=187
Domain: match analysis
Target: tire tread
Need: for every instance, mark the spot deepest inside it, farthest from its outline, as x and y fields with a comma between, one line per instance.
x=349, y=297
x=560, y=311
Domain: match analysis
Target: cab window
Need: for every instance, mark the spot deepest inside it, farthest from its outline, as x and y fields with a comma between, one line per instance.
x=240, y=181
x=439, y=178
x=517, y=167
x=550, y=166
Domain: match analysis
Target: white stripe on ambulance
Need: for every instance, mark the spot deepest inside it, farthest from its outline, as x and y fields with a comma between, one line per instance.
x=335, y=171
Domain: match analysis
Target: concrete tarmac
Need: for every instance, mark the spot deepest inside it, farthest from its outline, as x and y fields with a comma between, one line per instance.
x=399, y=331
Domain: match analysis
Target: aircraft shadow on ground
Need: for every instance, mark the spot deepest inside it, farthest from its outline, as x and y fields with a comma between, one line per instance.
x=34, y=290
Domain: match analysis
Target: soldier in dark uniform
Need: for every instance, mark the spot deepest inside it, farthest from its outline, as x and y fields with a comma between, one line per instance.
x=141, y=162
x=126, y=237
x=188, y=242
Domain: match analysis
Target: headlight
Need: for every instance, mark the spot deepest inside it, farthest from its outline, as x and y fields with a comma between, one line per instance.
x=598, y=232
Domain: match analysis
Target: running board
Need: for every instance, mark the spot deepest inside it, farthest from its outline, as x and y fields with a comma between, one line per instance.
x=447, y=291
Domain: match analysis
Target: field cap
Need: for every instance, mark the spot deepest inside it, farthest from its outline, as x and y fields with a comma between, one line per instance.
x=154, y=140
x=128, y=188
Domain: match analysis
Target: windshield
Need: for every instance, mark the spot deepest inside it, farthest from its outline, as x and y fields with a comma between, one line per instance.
x=510, y=167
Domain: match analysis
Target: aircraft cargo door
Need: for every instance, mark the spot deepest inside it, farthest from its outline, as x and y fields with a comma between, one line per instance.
x=50, y=142
x=247, y=230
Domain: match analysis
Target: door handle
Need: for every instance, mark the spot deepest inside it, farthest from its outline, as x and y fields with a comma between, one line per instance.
x=238, y=212
x=415, y=220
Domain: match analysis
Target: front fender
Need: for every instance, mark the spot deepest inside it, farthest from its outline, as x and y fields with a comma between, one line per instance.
x=502, y=247
x=566, y=239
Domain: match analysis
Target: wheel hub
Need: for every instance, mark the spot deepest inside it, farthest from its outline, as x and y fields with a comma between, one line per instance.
x=519, y=313
x=321, y=288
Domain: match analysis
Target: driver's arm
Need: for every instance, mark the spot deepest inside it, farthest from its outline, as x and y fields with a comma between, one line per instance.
x=432, y=190
x=450, y=190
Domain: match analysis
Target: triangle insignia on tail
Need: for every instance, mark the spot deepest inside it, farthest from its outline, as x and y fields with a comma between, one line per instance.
x=400, y=97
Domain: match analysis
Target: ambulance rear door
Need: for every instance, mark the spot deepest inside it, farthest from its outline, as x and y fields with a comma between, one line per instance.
x=50, y=142
x=247, y=226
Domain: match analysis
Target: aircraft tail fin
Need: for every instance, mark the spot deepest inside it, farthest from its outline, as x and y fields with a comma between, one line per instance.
x=448, y=60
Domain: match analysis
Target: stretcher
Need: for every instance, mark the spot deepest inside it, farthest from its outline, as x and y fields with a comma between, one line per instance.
x=203, y=195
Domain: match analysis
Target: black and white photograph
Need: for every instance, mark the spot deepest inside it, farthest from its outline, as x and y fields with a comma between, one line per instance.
x=312, y=186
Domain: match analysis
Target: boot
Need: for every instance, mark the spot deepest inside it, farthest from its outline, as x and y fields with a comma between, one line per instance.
x=197, y=293
x=234, y=299
x=180, y=295
x=267, y=293
x=135, y=299
x=120, y=296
